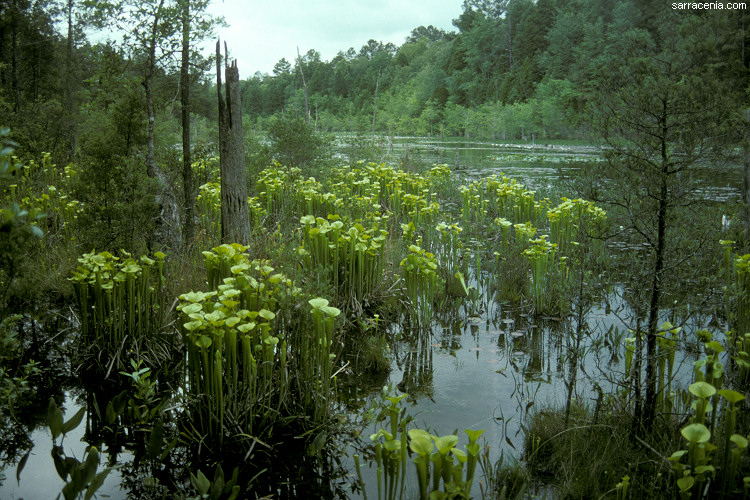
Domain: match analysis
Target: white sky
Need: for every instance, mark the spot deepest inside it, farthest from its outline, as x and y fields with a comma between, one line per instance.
x=261, y=32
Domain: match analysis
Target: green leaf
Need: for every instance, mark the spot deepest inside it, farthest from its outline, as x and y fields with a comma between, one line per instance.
x=54, y=418
x=21, y=465
x=733, y=397
x=421, y=445
x=473, y=449
x=204, y=342
x=331, y=311
x=685, y=483
x=266, y=314
x=740, y=441
x=61, y=465
x=271, y=340
x=193, y=325
x=675, y=457
x=235, y=493
x=473, y=434
x=318, y=303
x=191, y=308
x=445, y=443
x=702, y=390
x=415, y=433
x=71, y=490
x=701, y=469
x=90, y=465
x=96, y=483
x=715, y=346
x=156, y=440
x=74, y=421
x=200, y=482
x=246, y=327
x=696, y=433
x=459, y=454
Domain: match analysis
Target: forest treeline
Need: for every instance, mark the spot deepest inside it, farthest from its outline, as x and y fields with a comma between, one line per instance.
x=516, y=69
x=511, y=70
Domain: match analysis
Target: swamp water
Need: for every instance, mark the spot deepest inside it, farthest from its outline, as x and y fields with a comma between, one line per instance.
x=484, y=365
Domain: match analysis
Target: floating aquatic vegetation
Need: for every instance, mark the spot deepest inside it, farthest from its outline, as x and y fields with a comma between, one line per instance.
x=547, y=158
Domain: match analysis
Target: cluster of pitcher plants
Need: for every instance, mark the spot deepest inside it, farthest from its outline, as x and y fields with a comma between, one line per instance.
x=715, y=451
x=443, y=470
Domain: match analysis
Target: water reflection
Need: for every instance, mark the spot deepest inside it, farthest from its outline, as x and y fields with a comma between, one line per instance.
x=539, y=166
x=490, y=369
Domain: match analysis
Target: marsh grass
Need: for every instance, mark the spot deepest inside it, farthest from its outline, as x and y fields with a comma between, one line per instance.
x=504, y=479
x=589, y=458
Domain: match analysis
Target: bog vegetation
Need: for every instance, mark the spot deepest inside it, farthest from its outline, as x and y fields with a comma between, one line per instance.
x=237, y=369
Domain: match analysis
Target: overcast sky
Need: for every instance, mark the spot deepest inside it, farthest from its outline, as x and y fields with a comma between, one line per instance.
x=261, y=32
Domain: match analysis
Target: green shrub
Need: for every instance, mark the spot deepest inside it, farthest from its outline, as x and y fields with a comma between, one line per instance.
x=296, y=144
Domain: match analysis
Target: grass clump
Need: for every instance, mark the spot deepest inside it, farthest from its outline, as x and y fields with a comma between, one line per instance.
x=590, y=458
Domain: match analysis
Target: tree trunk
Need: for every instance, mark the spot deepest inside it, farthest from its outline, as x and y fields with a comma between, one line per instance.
x=167, y=232
x=150, y=160
x=375, y=106
x=636, y=371
x=746, y=173
x=187, y=169
x=70, y=125
x=15, y=73
x=649, y=409
x=235, y=220
x=304, y=87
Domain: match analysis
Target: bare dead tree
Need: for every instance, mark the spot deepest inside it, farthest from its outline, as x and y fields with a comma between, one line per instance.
x=235, y=222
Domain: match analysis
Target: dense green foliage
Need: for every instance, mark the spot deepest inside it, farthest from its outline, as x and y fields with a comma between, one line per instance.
x=513, y=70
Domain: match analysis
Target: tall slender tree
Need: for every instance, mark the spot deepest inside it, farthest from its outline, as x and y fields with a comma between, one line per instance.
x=187, y=167
x=661, y=112
x=70, y=124
x=197, y=25
x=149, y=29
